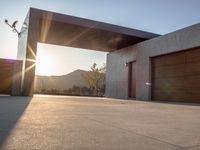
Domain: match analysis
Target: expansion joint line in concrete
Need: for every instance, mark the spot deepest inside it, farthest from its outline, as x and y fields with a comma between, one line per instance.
x=189, y=147
x=133, y=132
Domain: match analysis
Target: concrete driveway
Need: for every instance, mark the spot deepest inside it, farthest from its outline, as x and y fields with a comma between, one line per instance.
x=81, y=123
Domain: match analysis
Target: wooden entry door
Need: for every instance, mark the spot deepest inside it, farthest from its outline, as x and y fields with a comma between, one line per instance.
x=132, y=79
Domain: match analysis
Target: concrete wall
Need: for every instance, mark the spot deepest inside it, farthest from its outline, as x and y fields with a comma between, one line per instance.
x=19, y=68
x=31, y=52
x=180, y=40
x=27, y=47
x=117, y=72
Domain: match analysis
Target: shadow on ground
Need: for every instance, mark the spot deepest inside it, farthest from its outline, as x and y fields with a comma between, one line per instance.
x=11, y=110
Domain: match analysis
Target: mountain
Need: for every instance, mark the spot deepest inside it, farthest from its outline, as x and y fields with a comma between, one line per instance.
x=60, y=83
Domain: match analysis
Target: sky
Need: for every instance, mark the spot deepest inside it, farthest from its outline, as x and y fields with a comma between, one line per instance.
x=157, y=16
x=65, y=60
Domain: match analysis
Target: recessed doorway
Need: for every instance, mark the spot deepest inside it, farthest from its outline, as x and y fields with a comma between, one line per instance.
x=132, y=79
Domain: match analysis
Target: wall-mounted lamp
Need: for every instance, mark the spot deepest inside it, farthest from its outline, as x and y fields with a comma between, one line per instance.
x=13, y=26
x=148, y=83
x=126, y=64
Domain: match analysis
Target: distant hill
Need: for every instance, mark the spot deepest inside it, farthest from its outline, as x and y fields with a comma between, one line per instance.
x=60, y=83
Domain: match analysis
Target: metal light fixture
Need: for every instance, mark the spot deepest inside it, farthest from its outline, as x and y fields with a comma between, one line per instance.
x=13, y=26
x=126, y=64
x=148, y=83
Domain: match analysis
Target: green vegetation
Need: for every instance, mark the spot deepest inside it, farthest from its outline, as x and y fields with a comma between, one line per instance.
x=95, y=79
x=95, y=84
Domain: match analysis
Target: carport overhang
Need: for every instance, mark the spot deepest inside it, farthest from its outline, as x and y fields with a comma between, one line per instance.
x=59, y=29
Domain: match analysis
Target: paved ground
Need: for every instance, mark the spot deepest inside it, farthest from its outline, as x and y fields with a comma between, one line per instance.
x=76, y=123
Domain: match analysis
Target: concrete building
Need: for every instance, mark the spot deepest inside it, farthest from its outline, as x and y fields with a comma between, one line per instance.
x=140, y=65
x=170, y=63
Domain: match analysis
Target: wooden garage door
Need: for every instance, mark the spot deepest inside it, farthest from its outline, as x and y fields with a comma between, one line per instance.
x=6, y=74
x=176, y=77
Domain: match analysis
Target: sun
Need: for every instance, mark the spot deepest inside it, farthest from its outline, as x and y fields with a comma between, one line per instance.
x=54, y=60
x=43, y=63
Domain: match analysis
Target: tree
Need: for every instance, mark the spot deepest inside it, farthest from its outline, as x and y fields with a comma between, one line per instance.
x=95, y=79
x=53, y=91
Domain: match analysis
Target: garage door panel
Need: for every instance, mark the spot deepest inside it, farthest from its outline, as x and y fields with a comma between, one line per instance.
x=192, y=69
x=169, y=60
x=6, y=73
x=169, y=90
x=178, y=80
x=192, y=97
x=192, y=56
x=5, y=88
x=193, y=83
x=168, y=96
x=169, y=71
x=169, y=83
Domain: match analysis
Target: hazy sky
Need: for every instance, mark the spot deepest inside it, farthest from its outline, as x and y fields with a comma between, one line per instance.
x=158, y=16
x=63, y=60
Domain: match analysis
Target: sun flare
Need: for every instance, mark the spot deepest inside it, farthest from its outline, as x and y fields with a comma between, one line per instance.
x=59, y=60
x=43, y=64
